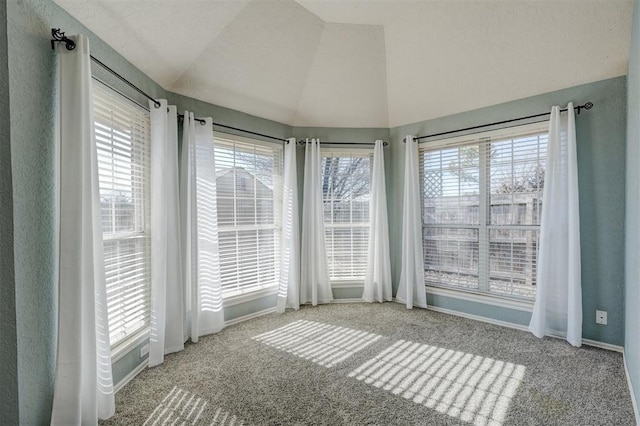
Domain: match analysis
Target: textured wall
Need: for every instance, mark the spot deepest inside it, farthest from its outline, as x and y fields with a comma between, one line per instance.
x=32, y=77
x=601, y=154
x=632, y=271
x=8, y=351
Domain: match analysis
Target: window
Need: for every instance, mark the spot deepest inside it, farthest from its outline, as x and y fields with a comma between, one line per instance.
x=481, y=204
x=122, y=138
x=346, y=187
x=249, y=198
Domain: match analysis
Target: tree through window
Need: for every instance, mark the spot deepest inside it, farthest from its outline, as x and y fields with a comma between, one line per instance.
x=346, y=189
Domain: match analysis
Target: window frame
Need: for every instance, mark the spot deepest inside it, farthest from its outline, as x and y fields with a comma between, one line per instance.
x=140, y=159
x=356, y=281
x=484, y=227
x=236, y=296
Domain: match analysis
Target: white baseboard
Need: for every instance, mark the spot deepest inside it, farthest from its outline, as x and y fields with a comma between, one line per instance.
x=353, y=300
x=250, y=316
x=602, y=345
x=126, y=379
x=587, y=342
x=477, y=318
x=634, y=402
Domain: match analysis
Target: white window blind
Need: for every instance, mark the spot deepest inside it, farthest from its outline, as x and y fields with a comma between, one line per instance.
x=482, y=199
x=249, y=198
x=122, y=138
x=346, y=188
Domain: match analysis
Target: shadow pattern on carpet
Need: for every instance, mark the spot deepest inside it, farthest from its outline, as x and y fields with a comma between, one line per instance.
x=357, y=364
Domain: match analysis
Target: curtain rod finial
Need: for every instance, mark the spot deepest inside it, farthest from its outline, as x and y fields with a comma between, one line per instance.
x=587, y=106
x=60, y=37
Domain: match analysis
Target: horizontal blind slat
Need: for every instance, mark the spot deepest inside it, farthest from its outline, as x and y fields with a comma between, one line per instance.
x=346, y=183
x=459, y=250
x=248, y=193
x=122, y=132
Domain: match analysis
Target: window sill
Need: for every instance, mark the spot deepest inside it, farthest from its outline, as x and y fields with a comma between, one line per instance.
x=129, y=344
x=503, y=302
x=237, y=297
x=347, y=284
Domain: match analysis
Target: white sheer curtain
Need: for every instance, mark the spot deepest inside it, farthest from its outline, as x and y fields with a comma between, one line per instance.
x=315, y=286
x=290, y=258
x=377, y=282
x=558, y=305
x=411, y=289
x=167, y=304
x=83, y=390
x=200, y=229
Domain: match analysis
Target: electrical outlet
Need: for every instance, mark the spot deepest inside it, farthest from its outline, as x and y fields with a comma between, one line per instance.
x=601, y=317
x=144, y=350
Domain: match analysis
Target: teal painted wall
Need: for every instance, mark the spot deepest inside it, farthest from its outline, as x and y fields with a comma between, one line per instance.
x=632, y=271
x=129, y=361
x=8, y=348
x=342, y=293
x=513, y=316
x=601, y=175
x=31, y=294
x=251, y=307
x=354, y=134
x=32, y=100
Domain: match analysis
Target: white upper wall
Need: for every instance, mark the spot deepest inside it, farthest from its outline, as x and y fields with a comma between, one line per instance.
x=364, y=63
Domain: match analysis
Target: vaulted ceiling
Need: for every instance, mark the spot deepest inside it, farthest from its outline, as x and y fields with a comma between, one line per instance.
x=363, y=63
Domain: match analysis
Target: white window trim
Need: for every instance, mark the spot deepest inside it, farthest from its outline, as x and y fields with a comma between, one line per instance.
x=347, y=284
x=537, y=127
x=325, y=152
x=341, y=150
x=239, y=296
x=243, y=139
x=505, y=301
x=130, y=343
x=127, y=342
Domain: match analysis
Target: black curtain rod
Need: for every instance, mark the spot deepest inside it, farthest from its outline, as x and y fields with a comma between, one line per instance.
x=60, y=37
x=199, y=120
x=202, y=121
x=250, y=132
x=586, y=106
x=384, y=143
x=144, y=107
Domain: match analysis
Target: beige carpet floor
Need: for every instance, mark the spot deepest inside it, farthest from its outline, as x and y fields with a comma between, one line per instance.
x=371, y=364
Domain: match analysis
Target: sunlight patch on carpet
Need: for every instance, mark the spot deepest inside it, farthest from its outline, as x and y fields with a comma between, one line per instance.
x=180, y=407
x=468, y=387
x=324, y=344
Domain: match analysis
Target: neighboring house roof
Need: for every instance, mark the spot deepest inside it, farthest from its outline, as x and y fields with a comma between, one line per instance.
x=241, y=172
